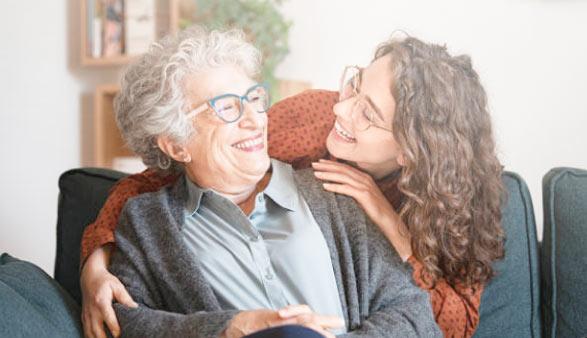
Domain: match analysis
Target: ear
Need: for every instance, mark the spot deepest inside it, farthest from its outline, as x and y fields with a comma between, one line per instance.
x=176, y=152
x=401, y=160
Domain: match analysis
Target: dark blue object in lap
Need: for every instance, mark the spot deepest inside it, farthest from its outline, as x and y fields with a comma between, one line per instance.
x=33, y=304
x=286, y=331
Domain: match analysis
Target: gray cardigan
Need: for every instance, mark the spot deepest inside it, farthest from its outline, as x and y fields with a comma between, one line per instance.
x=377, y=293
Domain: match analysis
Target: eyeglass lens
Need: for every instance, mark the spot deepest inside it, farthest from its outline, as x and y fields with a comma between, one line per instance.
x=230, y=107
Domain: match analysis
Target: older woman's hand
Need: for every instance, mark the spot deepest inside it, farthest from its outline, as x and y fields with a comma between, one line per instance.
x=247, y=322
x=99, y=289
x=346, y=180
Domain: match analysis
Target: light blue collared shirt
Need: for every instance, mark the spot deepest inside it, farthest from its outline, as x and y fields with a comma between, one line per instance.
x=274, y=257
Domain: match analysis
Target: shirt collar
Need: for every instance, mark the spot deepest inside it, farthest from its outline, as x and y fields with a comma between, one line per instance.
x=282, y=189
x=195, y=194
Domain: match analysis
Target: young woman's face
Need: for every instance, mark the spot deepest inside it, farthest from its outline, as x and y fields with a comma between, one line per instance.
x=374, y=150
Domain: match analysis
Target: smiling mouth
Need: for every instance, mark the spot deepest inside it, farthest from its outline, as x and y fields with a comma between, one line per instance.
x=343, y=133
x=250, y=144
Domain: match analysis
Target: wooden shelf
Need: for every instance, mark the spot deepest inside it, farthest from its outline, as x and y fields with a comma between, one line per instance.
x=108, y=143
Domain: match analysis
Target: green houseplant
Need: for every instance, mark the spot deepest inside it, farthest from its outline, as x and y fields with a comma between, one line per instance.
x=259, y=19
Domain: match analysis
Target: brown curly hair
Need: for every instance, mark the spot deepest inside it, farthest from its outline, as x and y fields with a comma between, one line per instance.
x=452, y=177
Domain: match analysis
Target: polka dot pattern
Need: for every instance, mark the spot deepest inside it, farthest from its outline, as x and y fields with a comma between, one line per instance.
x=456, y=309
x=297, y=131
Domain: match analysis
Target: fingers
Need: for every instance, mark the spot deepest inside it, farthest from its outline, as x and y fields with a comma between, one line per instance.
x=341, y=173
x=327, y=165
x=122, y=296
x=293, y=310
x=110, y=320
x=328, y=321
x=343, y=189
x=87, y=327
x=97, y=328
x=341, y=178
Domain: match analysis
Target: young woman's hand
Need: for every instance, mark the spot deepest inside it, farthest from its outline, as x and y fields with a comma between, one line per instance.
x=247, y=322
x=99, y=289
x=346, y=180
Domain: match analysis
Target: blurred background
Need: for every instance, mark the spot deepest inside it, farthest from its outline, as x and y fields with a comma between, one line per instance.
x=530, y=55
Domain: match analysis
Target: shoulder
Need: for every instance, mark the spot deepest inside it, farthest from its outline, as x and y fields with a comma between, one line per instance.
x=152, y=208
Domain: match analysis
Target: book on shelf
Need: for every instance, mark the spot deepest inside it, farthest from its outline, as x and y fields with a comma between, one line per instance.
x=94, y=28
x=139, y=27
x=123, y=27
x=113, y=25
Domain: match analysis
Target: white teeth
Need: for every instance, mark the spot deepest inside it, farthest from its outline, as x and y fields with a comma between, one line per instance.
x=346, y=136
x=249, y=143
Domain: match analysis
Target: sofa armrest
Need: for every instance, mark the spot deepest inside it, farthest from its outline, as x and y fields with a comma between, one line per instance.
x=82, y=192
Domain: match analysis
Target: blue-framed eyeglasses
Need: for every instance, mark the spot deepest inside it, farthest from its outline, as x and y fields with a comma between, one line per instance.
x=229, y=107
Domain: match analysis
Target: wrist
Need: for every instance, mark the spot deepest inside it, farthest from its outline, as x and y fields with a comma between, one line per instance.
x=397, y=233
x=230, y=329
x=99, y=260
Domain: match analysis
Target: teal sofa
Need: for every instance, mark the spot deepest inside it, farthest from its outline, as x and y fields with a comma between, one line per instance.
x=514, y=304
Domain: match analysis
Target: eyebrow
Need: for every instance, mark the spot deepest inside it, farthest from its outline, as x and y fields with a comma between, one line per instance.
x=371, y=103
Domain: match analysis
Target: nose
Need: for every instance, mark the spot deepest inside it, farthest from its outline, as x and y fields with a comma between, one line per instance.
x=251, y=118
x=344, y=109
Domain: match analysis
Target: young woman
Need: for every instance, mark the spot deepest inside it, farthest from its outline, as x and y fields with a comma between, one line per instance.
x=414, y=126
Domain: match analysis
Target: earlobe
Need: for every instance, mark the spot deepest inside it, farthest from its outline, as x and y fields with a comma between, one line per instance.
x=176, y=152
x=401, y=160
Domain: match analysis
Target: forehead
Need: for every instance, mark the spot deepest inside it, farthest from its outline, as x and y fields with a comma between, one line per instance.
x=212, y=82
x=376, y=81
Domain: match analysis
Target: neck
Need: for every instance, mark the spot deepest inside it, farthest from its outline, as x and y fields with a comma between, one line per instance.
x=236, y=189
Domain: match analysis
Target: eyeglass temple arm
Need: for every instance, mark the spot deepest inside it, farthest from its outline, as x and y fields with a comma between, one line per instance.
x=197, y=110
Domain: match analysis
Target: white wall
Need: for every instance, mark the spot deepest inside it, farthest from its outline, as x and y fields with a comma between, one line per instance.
x=45, y=107
x=529, y=54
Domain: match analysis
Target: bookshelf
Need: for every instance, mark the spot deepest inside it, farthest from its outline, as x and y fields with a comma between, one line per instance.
x=108, y=143
x=166, y=20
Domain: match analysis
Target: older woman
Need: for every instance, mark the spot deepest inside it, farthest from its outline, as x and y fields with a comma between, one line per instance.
x=240, y=242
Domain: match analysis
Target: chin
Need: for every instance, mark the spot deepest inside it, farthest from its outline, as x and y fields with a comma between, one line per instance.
x=259, y=166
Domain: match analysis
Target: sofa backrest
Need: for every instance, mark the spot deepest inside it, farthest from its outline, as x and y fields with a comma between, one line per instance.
x=82, y=192
x=510, y=302
x=564, y=253
x=509, y=305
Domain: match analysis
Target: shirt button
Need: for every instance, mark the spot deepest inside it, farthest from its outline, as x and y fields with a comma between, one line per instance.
x=269, y=276
x=260, y=198
x=255, y=238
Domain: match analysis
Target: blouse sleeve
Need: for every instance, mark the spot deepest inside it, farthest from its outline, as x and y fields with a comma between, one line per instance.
x=456, y=309
x=102, y=230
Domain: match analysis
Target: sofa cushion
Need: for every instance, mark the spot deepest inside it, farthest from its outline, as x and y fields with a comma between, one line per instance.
x=510, y=301
x=564, y=253
x=33, y=304
x=82, y=193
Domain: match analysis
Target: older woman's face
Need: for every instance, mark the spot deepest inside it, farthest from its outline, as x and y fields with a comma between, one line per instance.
x=225, y=155
x=374, y=150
